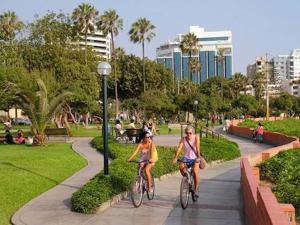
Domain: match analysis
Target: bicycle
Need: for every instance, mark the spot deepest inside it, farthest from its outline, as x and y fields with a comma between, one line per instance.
x=139, y=186
x=187, y=186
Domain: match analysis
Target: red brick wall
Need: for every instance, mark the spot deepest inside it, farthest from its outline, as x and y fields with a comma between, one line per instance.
x=260, y=204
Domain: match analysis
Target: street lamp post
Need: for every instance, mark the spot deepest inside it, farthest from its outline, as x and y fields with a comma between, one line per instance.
x=104, y=70
x=196, y=111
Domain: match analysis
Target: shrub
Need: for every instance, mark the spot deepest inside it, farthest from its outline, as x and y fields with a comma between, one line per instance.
x=102, y=188
x=283, y=170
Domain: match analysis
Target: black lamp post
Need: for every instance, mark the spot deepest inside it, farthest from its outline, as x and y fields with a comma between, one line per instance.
x=104, y=70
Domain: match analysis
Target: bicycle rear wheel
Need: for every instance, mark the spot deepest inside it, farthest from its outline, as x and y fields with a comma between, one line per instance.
x=150, y=194
x=137, y=191
x=184, y=192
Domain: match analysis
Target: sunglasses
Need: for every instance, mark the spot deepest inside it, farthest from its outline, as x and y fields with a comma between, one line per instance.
x=147, y=137
x=189, y=132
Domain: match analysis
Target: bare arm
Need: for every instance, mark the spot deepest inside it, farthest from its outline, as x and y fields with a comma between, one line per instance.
x=135, y=152
x=178, y=151
x=198, y=146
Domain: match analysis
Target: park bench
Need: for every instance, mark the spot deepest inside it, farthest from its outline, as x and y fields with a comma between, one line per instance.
x=172, y=126
x=57, y=134
x=2, y=139
x=133, y=135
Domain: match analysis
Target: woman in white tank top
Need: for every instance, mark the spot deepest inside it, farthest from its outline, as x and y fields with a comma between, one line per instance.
x=191, y=145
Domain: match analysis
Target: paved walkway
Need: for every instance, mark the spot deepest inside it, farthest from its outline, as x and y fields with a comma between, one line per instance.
x=219, y=202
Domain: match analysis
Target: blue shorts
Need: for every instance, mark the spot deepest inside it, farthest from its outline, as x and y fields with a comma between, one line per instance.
x=189, y=162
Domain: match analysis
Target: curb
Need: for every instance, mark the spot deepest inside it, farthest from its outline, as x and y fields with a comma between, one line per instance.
x=106, y=205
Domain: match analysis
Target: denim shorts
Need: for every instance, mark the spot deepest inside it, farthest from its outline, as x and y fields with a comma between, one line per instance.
x=189, y=162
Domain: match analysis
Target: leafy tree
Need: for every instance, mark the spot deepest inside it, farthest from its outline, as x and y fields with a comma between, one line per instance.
x=110, y=23
x=285, y=103
x=157, y=103
x=141, y=31
x=84, y=17
x=131, y=76
x=189, y=44
x=247, y=104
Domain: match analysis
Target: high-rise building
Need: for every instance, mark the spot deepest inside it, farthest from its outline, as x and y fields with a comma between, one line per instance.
x=280, y=68
x=99, y=42
x=261, y=65
x=293, y=65
x=171, y=56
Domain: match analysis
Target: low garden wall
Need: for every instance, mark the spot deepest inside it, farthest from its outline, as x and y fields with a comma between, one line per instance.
x=260, y=204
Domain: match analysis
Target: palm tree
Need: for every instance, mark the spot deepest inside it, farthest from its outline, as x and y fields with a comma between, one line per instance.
x=141, y=31
x=9, y=25
x=189, y=44
x=110, y=23
x=84, y=17
x=40, y=108
x=195, y=67
x=221, y=59
x=239, y=83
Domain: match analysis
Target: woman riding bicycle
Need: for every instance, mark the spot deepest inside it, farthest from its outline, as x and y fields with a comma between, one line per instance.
x=148, y=153
x=191, y=144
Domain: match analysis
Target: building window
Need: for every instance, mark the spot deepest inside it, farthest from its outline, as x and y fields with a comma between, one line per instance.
x=295, y=87
x=295, y=93
x=214, y=39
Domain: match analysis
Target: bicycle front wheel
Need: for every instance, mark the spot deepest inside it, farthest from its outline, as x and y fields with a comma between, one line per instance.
x=137, y=191
x=151, y=191
x=184, y=192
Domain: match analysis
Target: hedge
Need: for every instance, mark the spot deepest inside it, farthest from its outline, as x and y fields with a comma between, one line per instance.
x=102, y=188
x=283, y=171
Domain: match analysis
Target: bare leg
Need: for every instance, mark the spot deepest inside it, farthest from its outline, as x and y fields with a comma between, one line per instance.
x=182, y=168
x=196, y=175
x=148, y=169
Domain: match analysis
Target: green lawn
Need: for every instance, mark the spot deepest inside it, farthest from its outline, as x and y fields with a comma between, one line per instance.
x=288, y=126
x=283, y=170
x=26, y=172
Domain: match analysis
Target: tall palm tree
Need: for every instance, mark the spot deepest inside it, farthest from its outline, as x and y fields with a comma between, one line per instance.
x=195, y=66
x=110, y=23
x=221, y=59
x=9, y=25
x=141, y=31
x=84, y=17
x=190, y=45
x=40, y=108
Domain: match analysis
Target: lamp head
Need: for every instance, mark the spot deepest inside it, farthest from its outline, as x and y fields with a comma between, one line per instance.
x=103, y=68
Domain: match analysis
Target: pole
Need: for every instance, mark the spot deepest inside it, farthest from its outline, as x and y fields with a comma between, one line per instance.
x=105, y=128
x=267, y=89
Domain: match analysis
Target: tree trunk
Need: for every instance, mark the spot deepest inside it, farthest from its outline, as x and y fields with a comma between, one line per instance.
x=87, y=116
x=144, y=75
x=115, y=73
x=85, y=50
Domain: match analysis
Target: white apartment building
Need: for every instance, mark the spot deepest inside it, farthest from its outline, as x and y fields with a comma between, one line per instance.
x=280, y=68
x=293, y=65
x=99, y=43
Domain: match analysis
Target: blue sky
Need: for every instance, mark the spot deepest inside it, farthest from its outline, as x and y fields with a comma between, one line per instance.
x=258, y=26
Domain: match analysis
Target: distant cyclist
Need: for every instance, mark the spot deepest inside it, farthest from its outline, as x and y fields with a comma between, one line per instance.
x=147, y=151
x=191, y=145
